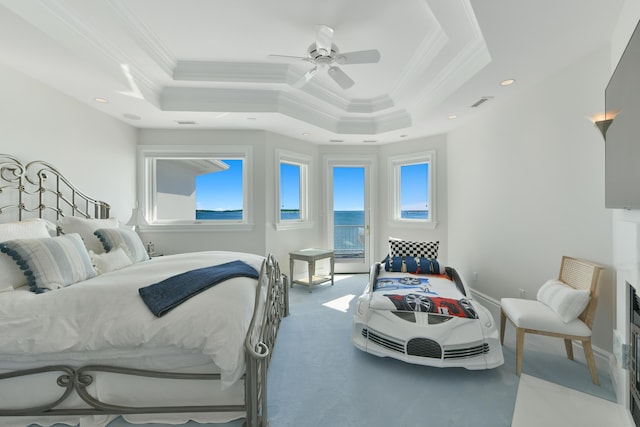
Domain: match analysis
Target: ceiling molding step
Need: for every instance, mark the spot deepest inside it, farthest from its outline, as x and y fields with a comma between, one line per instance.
x=145, y=38
x=297, y=108
x=370, y=105
x=428, y=50
x=470, y=60
x=207, y=71
x=218, y=100
x=243, y=100
x=374, y=125
x=77, y=33
x=336, y=98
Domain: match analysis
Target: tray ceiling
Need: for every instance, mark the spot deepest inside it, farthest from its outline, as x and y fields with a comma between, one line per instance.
x=202, y=64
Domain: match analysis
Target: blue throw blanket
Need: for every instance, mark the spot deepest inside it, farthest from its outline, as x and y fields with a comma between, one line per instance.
x=164, y=296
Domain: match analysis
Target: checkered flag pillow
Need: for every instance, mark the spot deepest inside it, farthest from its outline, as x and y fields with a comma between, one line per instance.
x=404, y=248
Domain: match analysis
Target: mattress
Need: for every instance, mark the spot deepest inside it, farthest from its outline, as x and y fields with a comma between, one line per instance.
x=103, y=321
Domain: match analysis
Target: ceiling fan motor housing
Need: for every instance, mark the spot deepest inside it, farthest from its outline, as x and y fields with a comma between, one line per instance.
x=315, y=53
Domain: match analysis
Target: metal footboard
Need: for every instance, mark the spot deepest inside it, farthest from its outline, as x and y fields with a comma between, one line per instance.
x=270, y=308
x=37, y=189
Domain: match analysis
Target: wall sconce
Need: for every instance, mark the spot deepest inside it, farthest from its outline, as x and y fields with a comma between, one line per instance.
x=603, y=120
x=603, y=125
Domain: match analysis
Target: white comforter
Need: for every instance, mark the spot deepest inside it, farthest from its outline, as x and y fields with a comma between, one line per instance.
x=106, y=313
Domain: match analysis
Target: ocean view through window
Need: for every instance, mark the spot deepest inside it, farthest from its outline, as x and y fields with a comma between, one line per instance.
x=219, y=194
x=412, y=188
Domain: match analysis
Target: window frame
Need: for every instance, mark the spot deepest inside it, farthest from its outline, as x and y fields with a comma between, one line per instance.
x=148, y=154
x=304, y=162
x=395, y=164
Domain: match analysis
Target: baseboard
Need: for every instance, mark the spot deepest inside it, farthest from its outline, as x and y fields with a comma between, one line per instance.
x=603, y=357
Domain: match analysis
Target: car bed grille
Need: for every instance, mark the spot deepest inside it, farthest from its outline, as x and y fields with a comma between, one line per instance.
x=460, y=353
x=425, y=347
x=382, y=341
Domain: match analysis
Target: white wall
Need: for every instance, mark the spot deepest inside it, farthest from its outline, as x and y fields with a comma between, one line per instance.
x=281, y=242
x=626, y=239
x=253, y=241
x=94, y=151
x=386, y=228
x=526, y=186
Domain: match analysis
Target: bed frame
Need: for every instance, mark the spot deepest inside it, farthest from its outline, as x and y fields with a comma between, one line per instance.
x=38, y=190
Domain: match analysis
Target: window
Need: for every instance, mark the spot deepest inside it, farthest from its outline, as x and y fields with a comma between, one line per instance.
x=289, y=191
x=196, y=187
x=292, y=176
x=412, y=188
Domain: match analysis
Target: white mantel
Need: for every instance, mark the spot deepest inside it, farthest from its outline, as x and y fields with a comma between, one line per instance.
x=626, y=258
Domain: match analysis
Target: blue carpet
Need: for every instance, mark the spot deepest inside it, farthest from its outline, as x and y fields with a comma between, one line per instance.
x=318, y=378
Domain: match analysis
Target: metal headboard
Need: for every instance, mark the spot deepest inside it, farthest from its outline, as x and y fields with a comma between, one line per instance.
x=38, y=190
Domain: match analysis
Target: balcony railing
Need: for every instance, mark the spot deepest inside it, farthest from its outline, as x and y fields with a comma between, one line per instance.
x=348, y=241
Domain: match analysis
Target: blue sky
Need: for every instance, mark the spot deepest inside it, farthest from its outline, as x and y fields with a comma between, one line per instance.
x=223, y=190
x=220, y=190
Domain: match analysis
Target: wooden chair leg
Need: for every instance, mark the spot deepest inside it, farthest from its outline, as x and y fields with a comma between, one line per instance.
x=503, y=321
x=519, y=348
x=569, y=346
x=591, y=362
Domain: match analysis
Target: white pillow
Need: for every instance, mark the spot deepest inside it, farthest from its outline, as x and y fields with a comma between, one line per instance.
x=110, y=261
x=566, y=301
x=52, y=262
x=113, y=238
x=12, y=276
x=85, y=228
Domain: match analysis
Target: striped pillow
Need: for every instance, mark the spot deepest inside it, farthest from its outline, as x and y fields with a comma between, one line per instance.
x=51, y=262
x=113, y=238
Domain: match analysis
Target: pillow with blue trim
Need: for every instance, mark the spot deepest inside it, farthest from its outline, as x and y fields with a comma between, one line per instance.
x=417, y=265
x=52, y=262
x=11, y=276
x=114, y=238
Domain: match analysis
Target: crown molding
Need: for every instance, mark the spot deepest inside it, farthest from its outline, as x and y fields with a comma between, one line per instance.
x=264, y=101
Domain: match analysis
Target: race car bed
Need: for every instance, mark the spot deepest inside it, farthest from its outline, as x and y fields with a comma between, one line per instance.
x=427, y=319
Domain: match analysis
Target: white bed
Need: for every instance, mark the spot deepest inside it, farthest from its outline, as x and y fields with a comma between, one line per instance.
x=87, y=352
x=426, y=316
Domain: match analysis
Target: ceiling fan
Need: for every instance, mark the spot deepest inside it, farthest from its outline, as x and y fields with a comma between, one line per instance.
x=323, y=54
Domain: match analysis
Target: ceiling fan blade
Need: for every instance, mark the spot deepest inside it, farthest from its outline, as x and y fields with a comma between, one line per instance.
x=340, y=77
x=287, y=57
x=359, y=57
x=324, y=39
x=305, y=79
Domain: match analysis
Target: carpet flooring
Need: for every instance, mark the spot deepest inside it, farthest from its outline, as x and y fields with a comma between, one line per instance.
x=318, y=378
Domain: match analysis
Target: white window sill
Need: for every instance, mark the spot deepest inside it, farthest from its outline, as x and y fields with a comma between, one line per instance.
x=197, y=227
x=293, y=225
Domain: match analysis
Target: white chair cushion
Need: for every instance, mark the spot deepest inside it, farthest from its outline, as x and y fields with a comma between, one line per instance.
x=568, y=302
x=529, y=314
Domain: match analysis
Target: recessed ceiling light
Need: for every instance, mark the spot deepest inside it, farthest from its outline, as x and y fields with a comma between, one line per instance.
x=306, y=134
x=185, y=122
x=507, y=82
x=453, y=116
x=101, y=100
x=336, y=140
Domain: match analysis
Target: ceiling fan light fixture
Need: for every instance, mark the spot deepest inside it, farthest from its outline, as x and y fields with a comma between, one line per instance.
x=324, y=54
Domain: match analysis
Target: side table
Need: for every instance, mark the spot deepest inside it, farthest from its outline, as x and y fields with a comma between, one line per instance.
x=311, y=255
